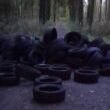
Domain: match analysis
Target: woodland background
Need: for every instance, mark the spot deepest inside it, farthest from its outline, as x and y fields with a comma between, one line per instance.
x=32, y=16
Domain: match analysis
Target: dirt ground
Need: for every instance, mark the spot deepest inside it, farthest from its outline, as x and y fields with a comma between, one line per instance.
x=78, y=97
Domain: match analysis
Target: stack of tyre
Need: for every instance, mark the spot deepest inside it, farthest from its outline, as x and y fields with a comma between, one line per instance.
x=50, y=61
x=15, y=51
x=8, y=76
x=21, y=48
x=48, y=88
x=85, y=57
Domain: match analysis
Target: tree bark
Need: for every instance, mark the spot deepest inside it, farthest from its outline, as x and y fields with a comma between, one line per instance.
x=54, y=10
x=47, y=9
x=90, y=12
x=80, y=11
x=100, y=11
x=72, y=9
x=44, y=11
x=108, y=10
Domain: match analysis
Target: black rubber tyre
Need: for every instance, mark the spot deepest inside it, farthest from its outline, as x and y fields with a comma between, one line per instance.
x=25, y=62
x=95, y=60
x=78, y=52
x=59, y=65
x=90, y=52
x=86, y=76
x=49, y=93
x=6, y=43
x=7, y=67
x=27, y=72
x=105, y=70
x=62, y=72
x=56, y=48
x=76, y=57
x=47, y=80
x=74, y=39
x=35, y=57
x=57, y=58
x=104, y=48
x=107, y=54
x=50, y=35
x=106, y=60
x=9, y=79
x=74, y=62
x=86, y=40
x=43, y=68
x=7, y=55
x=23, y=45
x=89, y=68
x=98, y=42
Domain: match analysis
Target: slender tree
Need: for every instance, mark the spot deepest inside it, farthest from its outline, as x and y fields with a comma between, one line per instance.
x=108, y=10
x=105, y=9
x=54, y=10
x=80, y=11
x=72, y=10
x=44, y=10
x=47, y=9
x=90, y=12
x=100, y=10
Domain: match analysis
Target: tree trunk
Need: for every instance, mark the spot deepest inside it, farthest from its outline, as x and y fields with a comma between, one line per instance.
x=72, y=10
x=32, y=2
x=80, y=11
x=54, y=10
x=108, y=10
x=47, y=9
x=44, y=11
x=100, y=11
x=41, y=11
x=90, y=12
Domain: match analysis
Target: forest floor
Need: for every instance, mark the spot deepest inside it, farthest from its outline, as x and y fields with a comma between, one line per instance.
x=78, y=96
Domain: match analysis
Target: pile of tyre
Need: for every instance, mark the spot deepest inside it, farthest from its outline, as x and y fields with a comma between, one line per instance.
x=49, y=61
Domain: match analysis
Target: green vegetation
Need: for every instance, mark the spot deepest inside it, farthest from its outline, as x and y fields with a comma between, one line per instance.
x=31, y=16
